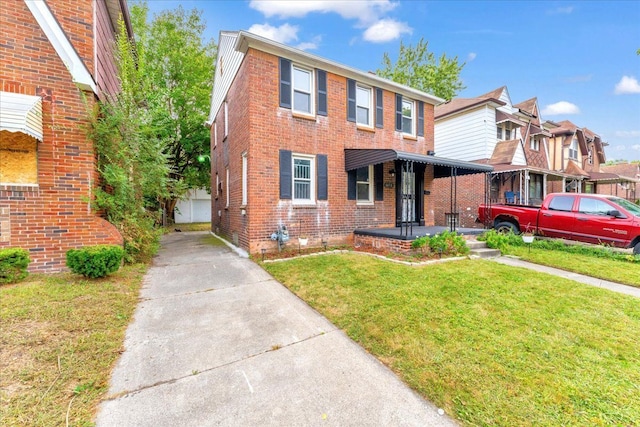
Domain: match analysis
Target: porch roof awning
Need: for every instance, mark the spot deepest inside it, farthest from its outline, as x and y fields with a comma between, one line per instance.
x=498, y=169
x=21, y=113
x=358, y=158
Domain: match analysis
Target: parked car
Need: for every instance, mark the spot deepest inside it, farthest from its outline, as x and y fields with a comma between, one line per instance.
x=589, y=218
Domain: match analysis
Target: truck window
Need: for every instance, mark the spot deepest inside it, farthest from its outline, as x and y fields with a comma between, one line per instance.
x=561, y=203
x=594, y=206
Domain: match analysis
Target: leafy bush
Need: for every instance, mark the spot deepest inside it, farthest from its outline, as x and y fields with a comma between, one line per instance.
x=95, y=261
x=13, y=264
x=445, y=243
x=502, y=241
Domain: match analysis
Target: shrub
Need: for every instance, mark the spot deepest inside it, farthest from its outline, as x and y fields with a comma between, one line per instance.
x=500, y=241
x=95, y=261
x=13, y=264
x=445, y=243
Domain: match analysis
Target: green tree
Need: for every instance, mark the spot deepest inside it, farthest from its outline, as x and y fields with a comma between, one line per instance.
x=418, y=68
x=177, y=69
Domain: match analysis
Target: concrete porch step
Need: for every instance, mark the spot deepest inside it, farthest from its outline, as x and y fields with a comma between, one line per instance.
x=480, y=250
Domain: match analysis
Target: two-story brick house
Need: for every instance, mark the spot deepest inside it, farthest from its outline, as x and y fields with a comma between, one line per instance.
x=319, y=147
x=490, y=129
x=57, y=60
x=580, y=152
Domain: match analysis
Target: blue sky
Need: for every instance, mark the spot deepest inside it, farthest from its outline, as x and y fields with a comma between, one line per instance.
x=578, y=58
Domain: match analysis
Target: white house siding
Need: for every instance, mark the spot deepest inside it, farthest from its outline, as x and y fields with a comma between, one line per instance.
x=227, y=66
x=519, y=157
x=196, y=208
x=468, y=136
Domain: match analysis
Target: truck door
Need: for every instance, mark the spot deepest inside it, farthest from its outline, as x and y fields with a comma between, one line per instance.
x=557, y=219
x=595, y=225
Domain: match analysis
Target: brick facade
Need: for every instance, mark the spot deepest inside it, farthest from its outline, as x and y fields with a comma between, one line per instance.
x=54, y=215
x=259, y=128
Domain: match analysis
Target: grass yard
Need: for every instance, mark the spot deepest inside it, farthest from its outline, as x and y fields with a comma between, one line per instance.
x=491, y=344
x=612, y=270
x=60, y=336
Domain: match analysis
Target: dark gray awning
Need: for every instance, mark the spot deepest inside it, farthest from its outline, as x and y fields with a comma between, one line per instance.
x=354, y=159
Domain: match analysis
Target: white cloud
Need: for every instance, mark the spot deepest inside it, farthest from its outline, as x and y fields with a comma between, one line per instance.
x=627, y=85
x=311, y=45
x=559, y=108
x=628, y=133
x=364, y=11
x=636, y=147
x=285, y=33
x=386, y=30
x=471, y=56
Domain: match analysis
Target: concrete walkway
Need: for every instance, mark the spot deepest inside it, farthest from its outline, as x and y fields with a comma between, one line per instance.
x=588, y=280
x=217, y=341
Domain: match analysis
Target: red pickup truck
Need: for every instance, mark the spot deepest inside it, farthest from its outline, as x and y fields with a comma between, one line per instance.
x=589, y=218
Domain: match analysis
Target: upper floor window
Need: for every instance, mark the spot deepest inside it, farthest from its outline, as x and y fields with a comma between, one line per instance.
x=504, y=131
x=534, y=143
x=573, y=149
x=302, y=89
x=363, y=105
x=302, y=83
x=226, y=119
x=408, y=117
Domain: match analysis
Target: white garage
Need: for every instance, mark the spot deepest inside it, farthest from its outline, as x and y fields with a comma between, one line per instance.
x=195, y=208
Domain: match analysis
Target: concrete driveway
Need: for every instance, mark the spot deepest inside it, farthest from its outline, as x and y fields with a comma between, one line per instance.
x=216, y=341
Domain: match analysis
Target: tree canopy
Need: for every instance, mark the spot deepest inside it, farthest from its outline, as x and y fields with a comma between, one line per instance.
x=418, y=68
x=177, y=69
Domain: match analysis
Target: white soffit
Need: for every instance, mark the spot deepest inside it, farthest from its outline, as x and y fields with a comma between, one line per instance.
x=21, y=113
x=62, y=45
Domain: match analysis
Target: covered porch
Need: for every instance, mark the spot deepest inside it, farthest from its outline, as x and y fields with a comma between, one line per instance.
x=409, y=170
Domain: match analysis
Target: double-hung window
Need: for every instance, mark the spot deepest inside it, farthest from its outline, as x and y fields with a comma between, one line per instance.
x=573, y=149
x=303, y=179
x=302, y=83
x=364, y=185
x=408, y=117
x=534, y=143
x=363, y=105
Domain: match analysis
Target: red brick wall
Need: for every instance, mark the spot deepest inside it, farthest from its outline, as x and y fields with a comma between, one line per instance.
x=54, y=216
x=469, y=195
x=261, y=128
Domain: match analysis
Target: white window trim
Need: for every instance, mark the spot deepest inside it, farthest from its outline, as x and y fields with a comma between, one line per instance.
x=534, y=144
x=244, y=179
x=312, y=85
x=369, y=201
x=371, y=105
x=227, y=189
x=226, y=119
x=312, y=174
x=215, y=134
x=217, y=185
x=413, y=116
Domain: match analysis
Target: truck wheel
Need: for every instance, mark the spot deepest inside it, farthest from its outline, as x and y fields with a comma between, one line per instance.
x=505, y=227
x=636, y=249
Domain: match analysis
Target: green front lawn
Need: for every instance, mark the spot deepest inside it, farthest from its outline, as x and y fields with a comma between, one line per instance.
x=491, y=344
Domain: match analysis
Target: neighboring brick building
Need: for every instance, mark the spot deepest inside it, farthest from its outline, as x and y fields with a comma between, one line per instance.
x=489, y=129
x=57, y=60
x=580, y=151
x=319, y=147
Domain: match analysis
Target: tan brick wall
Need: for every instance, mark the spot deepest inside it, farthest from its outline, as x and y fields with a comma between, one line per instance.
x=55, y=215
x=261, y=128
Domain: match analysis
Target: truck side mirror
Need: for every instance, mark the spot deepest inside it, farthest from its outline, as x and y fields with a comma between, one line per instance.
x=615, y=213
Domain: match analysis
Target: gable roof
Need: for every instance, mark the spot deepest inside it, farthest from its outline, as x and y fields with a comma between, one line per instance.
x=460, y=104
x=244, y=40
x=627, y=170
x=574, y=169
x=504, y=152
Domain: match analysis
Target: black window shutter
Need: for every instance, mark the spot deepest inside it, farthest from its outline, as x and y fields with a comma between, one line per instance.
x=285, y=174
x=351, y=184
x=420, y=118
x=379, y=110
x=285, y=83
x=322, y=92
x=351, y=100
x=323, y=184
x=398, y=112
x=378, y=178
